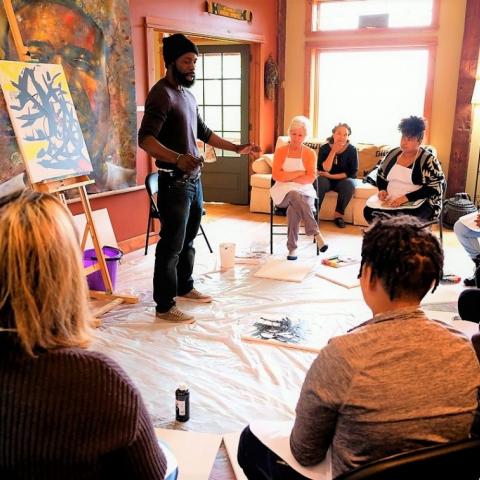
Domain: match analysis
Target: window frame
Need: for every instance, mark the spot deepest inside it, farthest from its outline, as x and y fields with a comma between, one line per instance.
x=367, y=39
x=366, y=32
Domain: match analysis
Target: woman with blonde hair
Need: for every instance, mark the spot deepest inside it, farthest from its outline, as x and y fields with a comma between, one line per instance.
x=294, y=171
x=65, y=412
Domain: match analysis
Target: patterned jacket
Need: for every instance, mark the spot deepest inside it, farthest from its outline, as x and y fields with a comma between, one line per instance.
x=426, y=171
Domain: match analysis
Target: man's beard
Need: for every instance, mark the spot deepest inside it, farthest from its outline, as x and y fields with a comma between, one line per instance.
x=181, y=78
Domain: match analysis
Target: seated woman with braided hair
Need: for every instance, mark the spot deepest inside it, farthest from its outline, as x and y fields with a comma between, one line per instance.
x=397, y=382
x=409, y=179
x=65, y=412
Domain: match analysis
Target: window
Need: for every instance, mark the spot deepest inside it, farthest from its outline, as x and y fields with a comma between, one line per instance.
x=371, y=14
x=371, y=90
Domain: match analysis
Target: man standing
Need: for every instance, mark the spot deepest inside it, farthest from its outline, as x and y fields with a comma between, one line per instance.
x=169, y=132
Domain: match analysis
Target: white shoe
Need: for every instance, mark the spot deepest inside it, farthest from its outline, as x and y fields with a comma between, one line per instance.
x=175, y=315
x=292, y=254
x=321, y=243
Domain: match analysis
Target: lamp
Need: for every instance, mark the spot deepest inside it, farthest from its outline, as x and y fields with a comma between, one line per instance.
x=476, y=101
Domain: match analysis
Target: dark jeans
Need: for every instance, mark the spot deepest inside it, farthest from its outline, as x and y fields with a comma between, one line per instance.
x=345, y=189
x=260, y=463
x=423, y=212
x=180, y=203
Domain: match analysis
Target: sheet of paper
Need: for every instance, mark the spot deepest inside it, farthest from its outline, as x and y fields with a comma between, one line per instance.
x=195, y=452
x=469, y=221
x=276, y=436
x=346, y=276
x=231, y=444
x=279, y=269
x=375, y=202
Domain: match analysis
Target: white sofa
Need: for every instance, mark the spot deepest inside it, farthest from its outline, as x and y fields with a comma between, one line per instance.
x=368, y=157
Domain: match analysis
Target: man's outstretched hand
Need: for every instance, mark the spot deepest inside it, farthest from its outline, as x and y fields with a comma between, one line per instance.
x=248, y=148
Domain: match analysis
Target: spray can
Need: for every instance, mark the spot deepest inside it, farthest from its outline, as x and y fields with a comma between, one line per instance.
x=182, y=403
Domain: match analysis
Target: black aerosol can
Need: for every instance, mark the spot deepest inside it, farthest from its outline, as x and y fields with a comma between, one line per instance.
x=182, y=403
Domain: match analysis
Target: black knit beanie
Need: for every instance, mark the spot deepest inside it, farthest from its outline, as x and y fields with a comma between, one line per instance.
x=175, y=46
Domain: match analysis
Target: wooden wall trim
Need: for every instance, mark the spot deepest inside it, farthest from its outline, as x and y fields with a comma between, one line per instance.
x=280, y=94
x=462, y=124
x=170, y=26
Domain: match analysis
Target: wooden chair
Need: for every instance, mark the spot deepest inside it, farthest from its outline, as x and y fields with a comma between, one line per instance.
x=151, y=184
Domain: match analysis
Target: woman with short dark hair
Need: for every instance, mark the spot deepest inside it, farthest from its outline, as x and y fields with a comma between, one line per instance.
x=410, y=179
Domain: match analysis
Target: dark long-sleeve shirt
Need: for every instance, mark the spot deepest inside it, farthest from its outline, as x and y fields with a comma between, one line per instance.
x=72, y=414
x=171, y=116
x=345, y=162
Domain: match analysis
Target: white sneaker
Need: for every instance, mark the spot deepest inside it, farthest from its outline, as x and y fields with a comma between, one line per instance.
x=195, y=296
x=292, y=254
x=175, y=315
x=321, y=243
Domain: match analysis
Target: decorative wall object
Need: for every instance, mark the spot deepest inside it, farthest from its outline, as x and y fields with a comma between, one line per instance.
x=44, y=120
x=92, y=40
x=271, y=78
x=216, y=8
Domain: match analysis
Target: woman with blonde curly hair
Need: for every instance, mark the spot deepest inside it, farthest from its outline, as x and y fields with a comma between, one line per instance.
x=65, y=412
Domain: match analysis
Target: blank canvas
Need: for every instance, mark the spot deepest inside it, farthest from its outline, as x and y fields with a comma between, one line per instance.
x=195, y=452
x=345, y=276
x=231, y=444
x=103, y=227
x=287, y=270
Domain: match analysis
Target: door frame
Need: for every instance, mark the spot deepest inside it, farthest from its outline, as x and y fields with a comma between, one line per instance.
x=257, y=46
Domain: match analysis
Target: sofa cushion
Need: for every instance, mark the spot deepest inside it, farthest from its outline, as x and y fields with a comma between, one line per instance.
x=263, y=164
x=369, y=155
x=364, y=190
x=261, y=180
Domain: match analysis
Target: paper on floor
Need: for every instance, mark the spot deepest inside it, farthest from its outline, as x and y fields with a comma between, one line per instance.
x=195, y=452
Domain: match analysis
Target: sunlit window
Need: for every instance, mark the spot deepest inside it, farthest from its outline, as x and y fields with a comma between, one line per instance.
x=371, y=90
x=355, y=14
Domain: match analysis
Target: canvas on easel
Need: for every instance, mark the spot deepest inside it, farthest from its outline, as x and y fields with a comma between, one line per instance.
x=43, y=117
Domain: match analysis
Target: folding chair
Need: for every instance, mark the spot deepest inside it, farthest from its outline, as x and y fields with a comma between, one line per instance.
x=458, y=460
x=151, y=185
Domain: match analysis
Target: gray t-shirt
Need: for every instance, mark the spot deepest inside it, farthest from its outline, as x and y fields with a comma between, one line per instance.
x=398, y=382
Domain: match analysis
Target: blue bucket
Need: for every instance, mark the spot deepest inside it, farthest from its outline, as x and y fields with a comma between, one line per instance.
x=112, y=258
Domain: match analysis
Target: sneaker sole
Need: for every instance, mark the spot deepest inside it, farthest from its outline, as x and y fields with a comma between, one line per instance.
x=195, y=300
x=169, y=320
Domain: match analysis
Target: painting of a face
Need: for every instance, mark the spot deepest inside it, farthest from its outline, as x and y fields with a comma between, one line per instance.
x=91, y=39
x=54, y=33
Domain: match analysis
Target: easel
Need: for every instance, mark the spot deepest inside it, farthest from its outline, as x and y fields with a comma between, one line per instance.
x=57, y=187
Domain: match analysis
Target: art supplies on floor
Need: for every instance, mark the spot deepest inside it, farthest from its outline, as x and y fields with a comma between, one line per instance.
x=251, y=258
x=338, y=261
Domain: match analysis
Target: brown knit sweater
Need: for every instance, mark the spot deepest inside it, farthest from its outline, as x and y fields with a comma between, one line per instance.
x=71, y=414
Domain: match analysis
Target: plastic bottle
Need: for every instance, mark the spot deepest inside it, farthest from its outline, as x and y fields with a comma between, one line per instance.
x=182, y=403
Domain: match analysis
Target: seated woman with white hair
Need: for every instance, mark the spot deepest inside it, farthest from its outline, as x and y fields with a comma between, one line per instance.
x=294, y=171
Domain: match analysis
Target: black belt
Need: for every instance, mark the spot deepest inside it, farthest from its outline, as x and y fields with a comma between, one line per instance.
x=172, y=174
